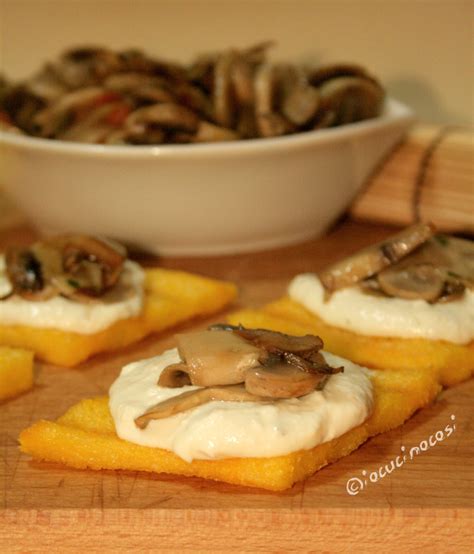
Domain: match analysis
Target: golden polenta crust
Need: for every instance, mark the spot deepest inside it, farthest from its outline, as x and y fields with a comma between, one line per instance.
x=16, y=371
x=171, y=297
x=451, y=363
x=85, y=437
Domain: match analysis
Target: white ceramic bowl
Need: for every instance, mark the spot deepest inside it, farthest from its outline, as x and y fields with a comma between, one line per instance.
x=199, y=199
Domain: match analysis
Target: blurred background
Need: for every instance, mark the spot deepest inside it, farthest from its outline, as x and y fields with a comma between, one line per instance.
x=421, y=50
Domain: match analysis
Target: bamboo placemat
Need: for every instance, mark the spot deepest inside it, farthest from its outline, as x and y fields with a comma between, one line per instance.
x=429, y=177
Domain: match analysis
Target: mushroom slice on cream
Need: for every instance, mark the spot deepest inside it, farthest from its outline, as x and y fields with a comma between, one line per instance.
x=273, y=341
x=79, y=267
x=264, y=364
x=108, y=254
x=30, y=270
x=282, y=380
x=192, y=399
x=373, y=259
x=417, y=281
x=175, y=376
x=313, y=363
x=215, y=358
x=440, y=269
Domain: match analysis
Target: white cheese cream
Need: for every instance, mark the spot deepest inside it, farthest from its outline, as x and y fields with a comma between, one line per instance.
x=123, y=301
x=221, y=429
x=365, y=314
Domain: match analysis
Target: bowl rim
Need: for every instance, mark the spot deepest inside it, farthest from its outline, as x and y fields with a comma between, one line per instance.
x=394, y=113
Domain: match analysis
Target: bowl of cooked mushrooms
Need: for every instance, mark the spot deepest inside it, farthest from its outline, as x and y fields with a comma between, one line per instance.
x=229, y=153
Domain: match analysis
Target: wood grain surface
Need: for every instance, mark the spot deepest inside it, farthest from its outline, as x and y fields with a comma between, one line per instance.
x=425, y=504
x=431, y=174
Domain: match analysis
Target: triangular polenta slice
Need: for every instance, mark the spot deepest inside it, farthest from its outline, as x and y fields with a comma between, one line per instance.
x=171, y=297
x=85, y=438
x=449, y=363
x=16, y=371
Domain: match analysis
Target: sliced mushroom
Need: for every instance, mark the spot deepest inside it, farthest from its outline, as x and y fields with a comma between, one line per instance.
x=152, y=95
x=373, y=259
x=76, y=266
x=145, y=135
x=301, y=105
x=282, y=380
x=193, y=98
x=166, y=115
x=421, y=281
x=54, y=118
x=46, y=84
x=351, y=98
x=312, y=363
x=267, y=82
x=94, y=127
x=217, y=358
x=273, y=341
x=24, y=272
x=179, y=137
x=86, y=65
x=322, y=74
x=91, y=265
x=242, y=81
x=175, y=376
x=7, y=125
x=193, y=399
x=223, y=97
x=128, y=82
x=116, y=136
x=461, y=258
x=300, y=101
x=272, y=125
x=237, y=90
x=246, y=126
x=21, y=105
x=6, y=287
x=207, y=132
x=266, y=86
x=201, y=71
x=30, y=271
x=440, y=269
x=140, y=86
x=86, y=284
x=324, y=119
x=108, y=253
x=256, y=54
x=453, y=289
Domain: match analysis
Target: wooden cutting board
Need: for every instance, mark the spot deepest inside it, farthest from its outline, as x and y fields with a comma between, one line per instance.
x=426, y=503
